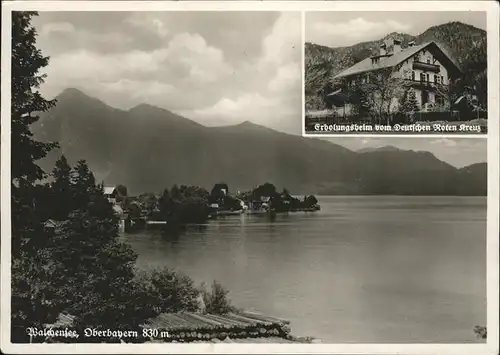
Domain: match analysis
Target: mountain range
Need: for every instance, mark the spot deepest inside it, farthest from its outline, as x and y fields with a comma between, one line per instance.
x=466, y=44
x=148, y=149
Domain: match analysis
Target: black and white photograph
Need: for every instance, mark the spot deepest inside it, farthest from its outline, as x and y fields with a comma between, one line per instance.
x=159, y=196
x=380, y=72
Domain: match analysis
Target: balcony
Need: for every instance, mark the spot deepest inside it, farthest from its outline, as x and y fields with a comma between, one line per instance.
x=426, y=67
x=417, y=84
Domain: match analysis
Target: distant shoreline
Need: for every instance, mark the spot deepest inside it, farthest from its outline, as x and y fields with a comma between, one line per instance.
x=392, y=195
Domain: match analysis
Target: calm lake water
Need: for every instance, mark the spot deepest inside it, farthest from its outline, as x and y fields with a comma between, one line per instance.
x=388, y=269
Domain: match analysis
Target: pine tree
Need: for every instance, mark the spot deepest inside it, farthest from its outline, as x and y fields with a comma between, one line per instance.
x=412, y=101
x=165, y=204
x=410, y=105
x=62, y=189
x=175, y=193
x=358, y=97
x=27, y=61
x=31, y=300
x=84, y=183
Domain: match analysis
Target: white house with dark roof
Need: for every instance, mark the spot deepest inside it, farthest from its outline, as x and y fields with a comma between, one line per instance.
x=110, y=193
x=425, y=66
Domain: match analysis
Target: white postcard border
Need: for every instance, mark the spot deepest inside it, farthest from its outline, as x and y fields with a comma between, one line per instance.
x=490, y=347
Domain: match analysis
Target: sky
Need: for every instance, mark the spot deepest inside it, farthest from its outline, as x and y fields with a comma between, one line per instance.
x=339, y=29
x=214, y=67
x=217, y=68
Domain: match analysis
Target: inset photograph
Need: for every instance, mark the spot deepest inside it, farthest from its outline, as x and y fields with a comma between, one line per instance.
x=396, y=73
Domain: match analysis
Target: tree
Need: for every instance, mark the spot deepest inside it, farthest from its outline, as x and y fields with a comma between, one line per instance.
x=216, y=301
x=27, y=61
x=358, y=98
x=310, y=201
x=84, y=183
x=31, y=301
x=165, y=204
x=122, y=190
x=148, y=201
x=382, y=93
x=475, y=71
x=218, y=192
x=264, y=190
x=410, y=104
x=451, y=91
x=122, y=193
x=62, y=189
x=134, y=210
x=175, y=193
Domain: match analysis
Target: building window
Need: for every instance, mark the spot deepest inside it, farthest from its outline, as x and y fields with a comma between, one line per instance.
x=412, y=75
x=423, y=77
x=428, y=61
x=437, y=79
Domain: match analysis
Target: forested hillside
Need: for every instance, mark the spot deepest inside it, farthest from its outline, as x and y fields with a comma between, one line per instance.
x=464, y=43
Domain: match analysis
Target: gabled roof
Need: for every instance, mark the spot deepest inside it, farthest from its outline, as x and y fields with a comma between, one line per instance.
x=63, y=321
x=109, y=190
x=50, y=223
x=366, y=64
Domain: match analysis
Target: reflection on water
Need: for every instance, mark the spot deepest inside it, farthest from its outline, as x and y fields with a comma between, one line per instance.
x=363, y=269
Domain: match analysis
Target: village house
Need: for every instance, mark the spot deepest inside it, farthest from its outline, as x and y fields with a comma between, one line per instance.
x=426, y=68
x=111, y=193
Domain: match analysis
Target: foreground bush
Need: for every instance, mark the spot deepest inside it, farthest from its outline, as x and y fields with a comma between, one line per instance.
x=169, y=291
x=481, y=332
x=216, y=301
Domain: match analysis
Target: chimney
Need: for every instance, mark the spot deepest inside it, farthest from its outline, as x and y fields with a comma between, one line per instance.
x=383, y=48
x=397, y=46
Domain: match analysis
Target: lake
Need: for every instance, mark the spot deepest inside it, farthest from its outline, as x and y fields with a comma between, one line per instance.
x=364, y=269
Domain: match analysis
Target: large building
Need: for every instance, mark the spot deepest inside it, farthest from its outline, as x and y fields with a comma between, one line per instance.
x=425, y=68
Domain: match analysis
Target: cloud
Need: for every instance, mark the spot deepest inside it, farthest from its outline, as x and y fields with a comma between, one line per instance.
x=351, y=32
x=273, y=82
x=286, y=77
x=282, y=44
x=150, y=23
x=241, y=108
x=445, y=142
x=187, y=62
x=55, y=27
x=149, y=89
x=206, y=64
x=184, y=66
